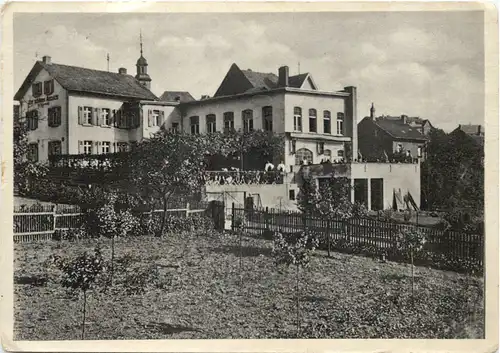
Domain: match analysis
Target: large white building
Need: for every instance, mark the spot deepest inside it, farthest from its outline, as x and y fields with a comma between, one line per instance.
x=74, y=110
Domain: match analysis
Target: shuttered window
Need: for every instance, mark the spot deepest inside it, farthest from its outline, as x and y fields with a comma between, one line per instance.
x=54, y=116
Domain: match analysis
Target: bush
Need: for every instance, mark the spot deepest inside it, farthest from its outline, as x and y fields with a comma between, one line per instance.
x=178, y=224
x=71, y=234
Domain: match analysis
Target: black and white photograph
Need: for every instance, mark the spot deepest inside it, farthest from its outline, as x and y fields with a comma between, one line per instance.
x=239, y=175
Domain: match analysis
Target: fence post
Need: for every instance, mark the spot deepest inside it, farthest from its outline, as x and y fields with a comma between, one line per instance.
x=232, y=216
x=187, y=210
x=266, y=216
x=328, y=235
x=54, y=209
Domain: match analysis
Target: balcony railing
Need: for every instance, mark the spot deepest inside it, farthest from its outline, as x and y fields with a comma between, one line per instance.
x=244, y=177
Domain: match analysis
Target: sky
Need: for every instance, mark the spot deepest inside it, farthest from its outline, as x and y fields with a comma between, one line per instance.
x=420, y=64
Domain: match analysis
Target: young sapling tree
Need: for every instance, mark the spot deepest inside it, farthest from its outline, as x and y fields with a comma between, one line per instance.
x=294, y=250
x=81, y=273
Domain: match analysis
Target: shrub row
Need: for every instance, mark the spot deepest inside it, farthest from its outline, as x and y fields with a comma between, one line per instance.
x=432, y=255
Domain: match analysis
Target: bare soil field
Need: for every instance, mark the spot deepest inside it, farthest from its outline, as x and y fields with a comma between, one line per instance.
x=201, y=292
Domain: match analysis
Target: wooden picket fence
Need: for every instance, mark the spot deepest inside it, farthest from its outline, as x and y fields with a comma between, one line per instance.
x=40, y=222
x=379, y=237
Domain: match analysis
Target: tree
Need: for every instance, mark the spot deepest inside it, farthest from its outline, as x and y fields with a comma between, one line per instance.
x=24, y=169
x=330, y=200
x=453, y=173
x=165, y=165
x=253, y=148
x=81, y=273
x=294, y=250
x=411, y=240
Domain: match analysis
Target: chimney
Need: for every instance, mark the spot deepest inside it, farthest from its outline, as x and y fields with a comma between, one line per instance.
x=283, y=76
x=404, y=119
x=479, y=129
x=122, y=71
x=47, y=60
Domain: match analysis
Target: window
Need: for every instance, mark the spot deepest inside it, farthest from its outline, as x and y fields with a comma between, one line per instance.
x=297, y=119
x=87, y=147
x=327, y=124
x=106, y=117
x=195, y=125
x=33, y=152
x=32, y=119
x=54, y=117
x=247, y=117
x=228, y=121
x=106, y=147
x=48, y=87
x=340, y=153
x=267, y=118
x=302, y=155
x=87, y=115
x=312, y=120
x=54, y=148
x=155, y=116
x=175, y=127
x=419, y=151
x=327, y=154
x=211, y=126
x=340, y=123
x=321, y=147
x=36, y=89
x=291, y=194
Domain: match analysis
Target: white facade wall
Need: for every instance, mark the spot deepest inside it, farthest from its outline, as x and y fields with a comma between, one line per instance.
x=93, y=133
x=237, y=106
x=45, y=133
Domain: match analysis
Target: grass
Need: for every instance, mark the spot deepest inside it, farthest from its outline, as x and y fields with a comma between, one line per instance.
x=199, y=295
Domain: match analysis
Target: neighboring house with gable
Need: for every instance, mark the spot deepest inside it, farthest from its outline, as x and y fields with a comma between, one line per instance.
x=379, y=138
x=474, y=131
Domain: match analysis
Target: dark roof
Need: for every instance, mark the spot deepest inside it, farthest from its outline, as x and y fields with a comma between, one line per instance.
x=142, y=61
x=398, y=129
x=261, y=80
x=80, y=79
x=415, y=119
x=297, y=81
x=471, y=129
x=170, y=96
x=239, y=81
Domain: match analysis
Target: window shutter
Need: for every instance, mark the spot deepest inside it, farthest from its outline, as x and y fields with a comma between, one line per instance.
x=80, y=115
x=112, y=121
x=35, y=121
x=59, y=115
x=94, y=116
x=162, y=117
x=80, y=147
x=113, y=147
x=150, y=118
x=99, y=116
